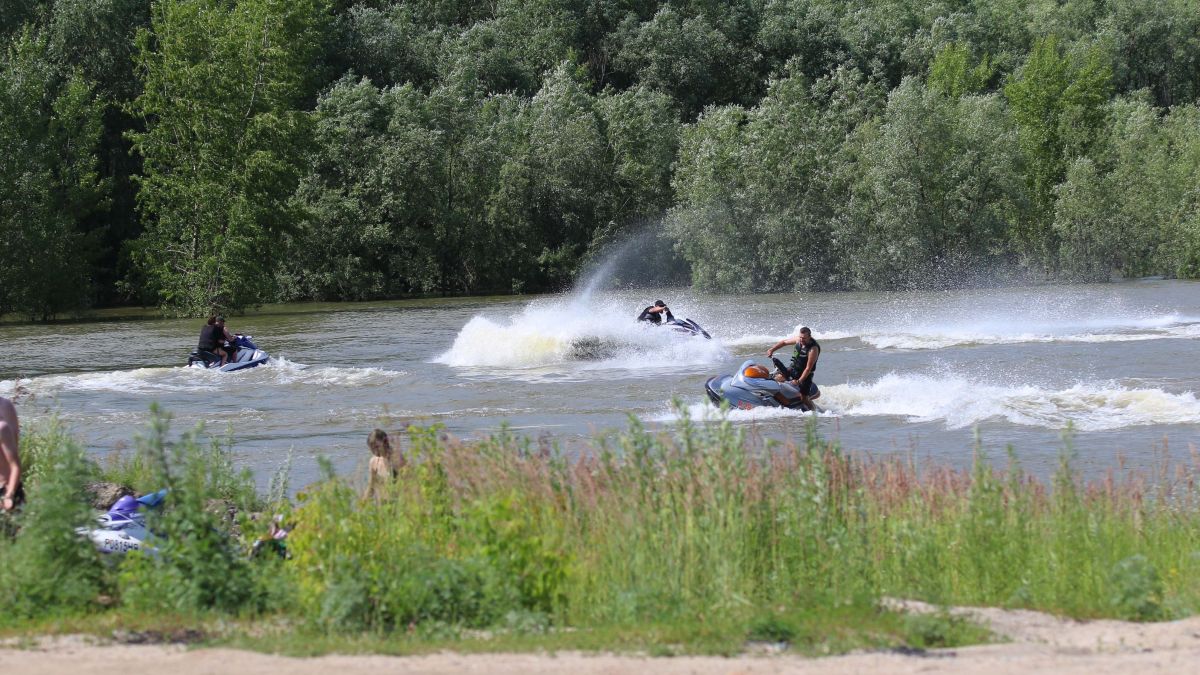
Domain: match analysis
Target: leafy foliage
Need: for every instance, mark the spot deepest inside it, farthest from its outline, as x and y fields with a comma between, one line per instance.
x=354, y=149
x=49, y=131
x=221, y=84
x=48, y=569
x=194, y=565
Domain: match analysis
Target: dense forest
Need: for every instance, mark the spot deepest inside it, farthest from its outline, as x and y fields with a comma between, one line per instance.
x=201, y=154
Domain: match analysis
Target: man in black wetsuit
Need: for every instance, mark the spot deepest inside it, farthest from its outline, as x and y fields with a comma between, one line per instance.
x=655, y=313
x=212, y=337
x=804, y=363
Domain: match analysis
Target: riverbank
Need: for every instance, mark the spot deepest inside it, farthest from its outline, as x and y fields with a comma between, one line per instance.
x=1032, y=642
x=706, y=539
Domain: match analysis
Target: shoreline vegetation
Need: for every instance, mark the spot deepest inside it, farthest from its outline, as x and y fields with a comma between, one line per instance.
x=700, y=539
x=223, y=154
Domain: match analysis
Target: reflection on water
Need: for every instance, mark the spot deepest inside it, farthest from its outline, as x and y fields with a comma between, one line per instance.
x=899, y=372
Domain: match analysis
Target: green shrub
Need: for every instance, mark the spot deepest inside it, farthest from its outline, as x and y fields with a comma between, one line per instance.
x=194, y=564
x=48, y=568
x=1136, y=590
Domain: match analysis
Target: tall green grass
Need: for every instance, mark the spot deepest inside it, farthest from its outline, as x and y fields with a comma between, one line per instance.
x=707, y=520
x=702, y=530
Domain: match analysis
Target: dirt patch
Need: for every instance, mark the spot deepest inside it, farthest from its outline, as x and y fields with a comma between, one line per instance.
x=1038, y=643
x=178, y=636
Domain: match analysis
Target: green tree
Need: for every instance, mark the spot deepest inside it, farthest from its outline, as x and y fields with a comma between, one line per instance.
x=759, y=191
x=1156, y=46
x=1134, y=209
x=686, y=57
x=1058, y=102
x=936, y=185
x=952, y=74
x=222, y=82
x=49, y=129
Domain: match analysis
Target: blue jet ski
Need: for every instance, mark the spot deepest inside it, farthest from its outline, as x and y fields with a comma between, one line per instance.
x=752, y=386
x=248, y=356
x=123, y=528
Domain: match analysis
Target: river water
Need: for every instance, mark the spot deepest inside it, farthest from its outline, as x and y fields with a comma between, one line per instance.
x=914, y=373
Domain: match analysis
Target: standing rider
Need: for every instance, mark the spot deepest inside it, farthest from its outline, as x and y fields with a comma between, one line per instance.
x=804, y=363
x=654, y=313
x=211, y=338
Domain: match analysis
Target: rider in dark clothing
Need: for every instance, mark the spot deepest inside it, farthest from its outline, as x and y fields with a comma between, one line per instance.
x=804, y=362
x=212, y=337
x=654, y=313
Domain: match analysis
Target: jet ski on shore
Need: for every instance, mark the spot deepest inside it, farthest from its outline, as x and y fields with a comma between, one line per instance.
x=248, y=356
x=752, y=386
x=123, y=527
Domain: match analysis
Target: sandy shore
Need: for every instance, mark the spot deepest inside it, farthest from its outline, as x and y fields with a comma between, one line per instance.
x=1039, y=643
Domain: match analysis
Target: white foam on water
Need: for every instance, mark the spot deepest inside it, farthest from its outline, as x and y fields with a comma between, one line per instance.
x=954, y=333
x=138, y=381
x=706, y=412
x=589, y=335
x=280, y=370
x=972, y=331
x=159, y=380
x=768, y=340
x=959, y=402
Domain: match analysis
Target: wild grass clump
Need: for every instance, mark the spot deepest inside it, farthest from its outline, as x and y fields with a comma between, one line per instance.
x=45, y=567
x=425, y=552
x=192, y=564
x=709, y=521
x=705, y=536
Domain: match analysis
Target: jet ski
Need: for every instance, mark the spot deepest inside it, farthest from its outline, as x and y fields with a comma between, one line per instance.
x=248, y=356
x=686, y=326
x=752, y=387
x=123, y=528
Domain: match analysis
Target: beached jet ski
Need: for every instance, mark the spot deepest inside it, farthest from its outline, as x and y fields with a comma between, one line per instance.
x=746, y=390
x=248, y=356
x=123, y=527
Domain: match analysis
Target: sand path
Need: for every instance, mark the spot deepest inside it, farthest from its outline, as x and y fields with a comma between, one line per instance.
x=1039, y=643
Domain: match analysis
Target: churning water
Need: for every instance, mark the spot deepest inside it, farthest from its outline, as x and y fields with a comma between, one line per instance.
x=901, y=372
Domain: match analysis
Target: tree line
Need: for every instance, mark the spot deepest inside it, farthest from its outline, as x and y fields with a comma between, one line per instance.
x=218, y=154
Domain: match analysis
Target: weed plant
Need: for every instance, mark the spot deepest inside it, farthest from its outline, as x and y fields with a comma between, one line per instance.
x=45, y=567
x=701, y=535
x=709, y=523
x=192, y=564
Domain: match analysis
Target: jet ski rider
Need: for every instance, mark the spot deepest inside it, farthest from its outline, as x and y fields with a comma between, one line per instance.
x=654, y=313
x=226, y=337
x=212, y=337
x=804, y=363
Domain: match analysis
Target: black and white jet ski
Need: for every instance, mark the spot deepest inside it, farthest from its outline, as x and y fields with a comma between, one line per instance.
x=248, y=356
x=686, y=326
